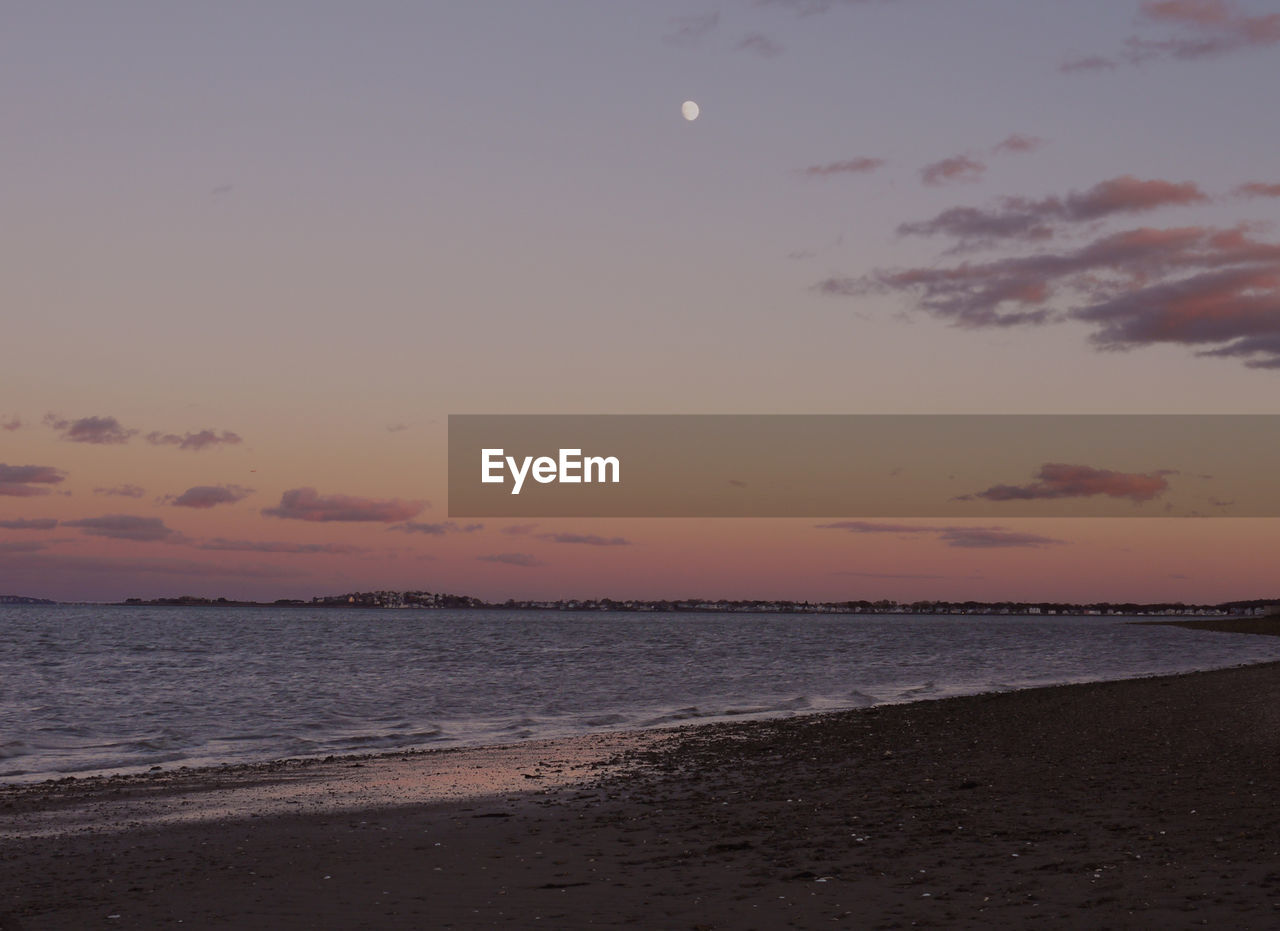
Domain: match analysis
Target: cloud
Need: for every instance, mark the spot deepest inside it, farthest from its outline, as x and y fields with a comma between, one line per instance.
x=13, y=423
x=37, y=523
x=1087, y=63
x=866, y=526
x=760, y=44
x=21, y=546
x=963, y=537
x=1211, y=288
x=957, y=169
x=1059, y=480
x=194, y=441
x=65, y=563
x=523, y=560
x=307, y=504
x=397, y=427
x=437, y=530
x=586, y=539
x=122, y=491
x=1127, y=194
x=29, y=480
x=888, y=575
x=1237, y=308
x=811, y=7
x=975, y=227
x=852, y=166
x=1258, y=189
x=519, y=530
x=1026, y=219
x=207, y=496
x=1018, y=144
x=97, y=430
x=127, y=527
x=1211, y=27
x=259, y=546
x=1203, y=29
x=1194, y=12
x=987, y=537
x=688, y=31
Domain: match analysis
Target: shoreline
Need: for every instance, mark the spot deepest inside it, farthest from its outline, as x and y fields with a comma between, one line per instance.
x=1138, y=800
x=1267, y=625
x=336, y=783
x=203, y=767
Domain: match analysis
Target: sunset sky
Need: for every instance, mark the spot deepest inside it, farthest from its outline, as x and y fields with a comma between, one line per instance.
x=255, y=255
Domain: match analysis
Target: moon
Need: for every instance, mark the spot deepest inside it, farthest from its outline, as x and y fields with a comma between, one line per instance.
x=689, y=110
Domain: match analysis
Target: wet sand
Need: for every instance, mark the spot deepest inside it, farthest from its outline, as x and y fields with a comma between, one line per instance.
x=1266, y=624
x=1143, y=803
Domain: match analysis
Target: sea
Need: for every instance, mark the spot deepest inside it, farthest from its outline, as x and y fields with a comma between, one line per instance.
x=110, y=689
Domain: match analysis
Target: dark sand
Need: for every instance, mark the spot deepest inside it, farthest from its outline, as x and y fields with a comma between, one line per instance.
x=1145, y=803
x=1265, y=624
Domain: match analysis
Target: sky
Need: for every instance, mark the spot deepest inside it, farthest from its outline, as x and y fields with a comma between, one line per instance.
x=255, y=254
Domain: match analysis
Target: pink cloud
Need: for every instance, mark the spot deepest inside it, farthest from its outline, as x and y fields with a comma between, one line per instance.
x=436, y=530
x=207, y=496
x=1032, y=220
x=37, y=523
x=29, y=480
x=1258, y=189
x=523, y=560
x=992, y=537
x=122, y=491
x=963, y=537
x=1195, y=12
x=867, y=526
x=60, y=565
x=21, y=546
x=1215, y=289
x=127, y=527
x=256, y=546
x=1018, y=143
x=1237, y=307
x=1059, y=480
x=1127, y=194
x=586, y=539
x=194, y=441
x=519, y=530
x=309, y=505
x=888, y=575
x=858, y=165
x=1217, y=27
x=1208, y=28
x=957, y=169
x=96, y=430
x=760, y=44
x=13, y=423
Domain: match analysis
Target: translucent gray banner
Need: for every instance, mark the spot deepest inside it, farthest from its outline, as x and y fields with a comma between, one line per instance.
x=859, y=465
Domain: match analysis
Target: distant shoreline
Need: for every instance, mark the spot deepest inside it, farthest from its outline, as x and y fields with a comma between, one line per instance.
x=397, y=601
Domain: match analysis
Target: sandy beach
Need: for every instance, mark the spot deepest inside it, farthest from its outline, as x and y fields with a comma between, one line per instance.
x=1139, y=803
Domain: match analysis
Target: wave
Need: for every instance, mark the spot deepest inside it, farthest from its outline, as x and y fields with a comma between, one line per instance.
x=129, y=693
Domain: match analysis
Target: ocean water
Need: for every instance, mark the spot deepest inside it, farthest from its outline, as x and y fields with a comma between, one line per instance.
x=109, y=689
